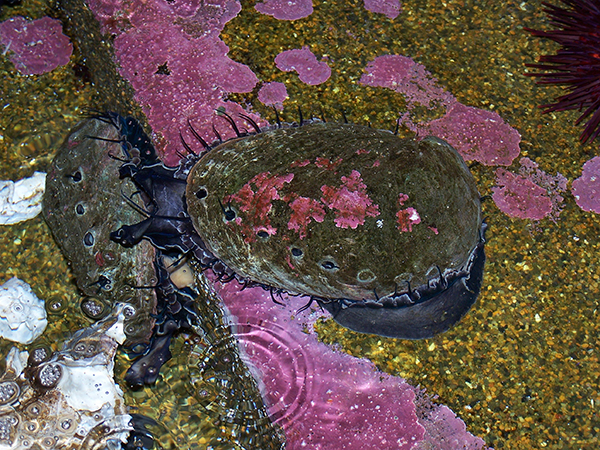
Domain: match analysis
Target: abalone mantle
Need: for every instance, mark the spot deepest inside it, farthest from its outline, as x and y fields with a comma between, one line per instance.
x=338, y=211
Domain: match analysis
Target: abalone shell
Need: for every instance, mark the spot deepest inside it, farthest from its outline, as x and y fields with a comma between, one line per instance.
x=336, y=210
x=84, y=201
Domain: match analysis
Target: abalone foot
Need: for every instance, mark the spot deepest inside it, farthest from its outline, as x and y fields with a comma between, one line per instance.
x=418, y=321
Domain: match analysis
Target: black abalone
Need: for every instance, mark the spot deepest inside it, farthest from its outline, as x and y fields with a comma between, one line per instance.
x=386, y=233
x=84, y=201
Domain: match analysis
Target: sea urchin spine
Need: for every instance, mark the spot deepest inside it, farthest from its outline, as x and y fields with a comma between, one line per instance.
x=577, y=64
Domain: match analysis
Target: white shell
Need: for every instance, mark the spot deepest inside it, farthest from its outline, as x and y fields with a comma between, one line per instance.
x=22, y=314
x=81, y=407
x=21, y=200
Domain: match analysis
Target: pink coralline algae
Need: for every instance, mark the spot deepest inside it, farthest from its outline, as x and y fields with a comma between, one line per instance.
x=350, y=201
x=285, y=9
x=304, y=62
x=35, y=47
x=554, y=185
x=273, y=94
x=327, y=164
x=407, y=77
x=390, y=8
x=586, y=188
x=519, y=197
x=328, y=400
x=178, y=65
x=305, y=210
x=258, y=202
x=531, y=194
x=477, y=134
x=406, y=217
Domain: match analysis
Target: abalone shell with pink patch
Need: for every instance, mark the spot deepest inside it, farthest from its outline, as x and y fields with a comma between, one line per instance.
x=337, y=211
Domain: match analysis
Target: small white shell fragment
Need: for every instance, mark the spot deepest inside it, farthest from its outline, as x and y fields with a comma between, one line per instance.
x=22, y=314
x=117, y=331
x=16, y=361
x=21, y=200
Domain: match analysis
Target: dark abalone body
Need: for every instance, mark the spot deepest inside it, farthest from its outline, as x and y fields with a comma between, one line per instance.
x=385, y=233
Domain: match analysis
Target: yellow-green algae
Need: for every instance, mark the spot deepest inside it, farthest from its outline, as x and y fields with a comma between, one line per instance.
x=522, y=368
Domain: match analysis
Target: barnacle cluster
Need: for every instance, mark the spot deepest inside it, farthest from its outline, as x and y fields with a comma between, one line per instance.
x=66, y=399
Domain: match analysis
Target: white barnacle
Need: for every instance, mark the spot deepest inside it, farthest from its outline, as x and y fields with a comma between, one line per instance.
x=22, y=314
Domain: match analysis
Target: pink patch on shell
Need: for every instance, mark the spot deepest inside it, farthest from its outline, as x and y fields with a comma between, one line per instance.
x=289, y=262
x=350, y=200
x=304, y=210
x=402, y=198
x=407, y=217
x=298, y=163
x=520, y=197
x=434, y=229
x=326, y=163
x=304, y=62
x=362, y=151
x=99, y=258
x=257, y=202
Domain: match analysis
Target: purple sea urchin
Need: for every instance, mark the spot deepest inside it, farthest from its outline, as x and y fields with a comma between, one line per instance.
x=577, y=64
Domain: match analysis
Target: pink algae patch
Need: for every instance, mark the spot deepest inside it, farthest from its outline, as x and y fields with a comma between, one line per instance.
x=37, y=46
x=477, y=134
x=173, y=57
x=258, y=202
x=411, y=79
x=305, y=210
x=520, y=197
x=304, y=62
x=532, y=194
x=350, y=201
x=586, y=188
x=407, y=217
x=285, y=9
x=273, y=94
x=390, y=8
